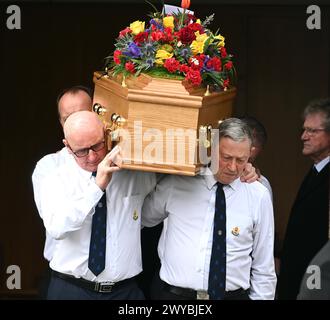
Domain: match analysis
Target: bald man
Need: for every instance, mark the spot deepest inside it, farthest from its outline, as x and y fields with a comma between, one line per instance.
x=77, y=98
x=70, y=198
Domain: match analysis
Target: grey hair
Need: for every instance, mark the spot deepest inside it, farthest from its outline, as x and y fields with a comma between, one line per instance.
x=235, y=129
x=319, y=106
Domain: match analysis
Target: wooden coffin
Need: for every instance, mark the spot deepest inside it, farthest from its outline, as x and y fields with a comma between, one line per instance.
x=163, y=117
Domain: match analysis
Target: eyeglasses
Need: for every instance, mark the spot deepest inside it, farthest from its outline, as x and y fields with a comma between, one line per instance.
x=311, y=131
x=84, y=152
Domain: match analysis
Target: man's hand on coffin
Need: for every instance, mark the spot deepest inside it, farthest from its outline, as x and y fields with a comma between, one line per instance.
x=111, y=163
x=249, y=174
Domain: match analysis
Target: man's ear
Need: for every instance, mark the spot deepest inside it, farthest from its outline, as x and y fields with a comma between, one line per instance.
x=67, y=145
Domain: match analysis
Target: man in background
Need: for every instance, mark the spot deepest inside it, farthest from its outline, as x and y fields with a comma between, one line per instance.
x=307, y=230
x=259, y=139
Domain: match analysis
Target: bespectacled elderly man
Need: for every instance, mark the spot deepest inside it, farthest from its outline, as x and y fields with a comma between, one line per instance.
x=218, y=238
x=307, y=230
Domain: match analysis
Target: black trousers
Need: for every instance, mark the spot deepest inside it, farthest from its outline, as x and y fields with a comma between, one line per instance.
x=60, y=289
x=159, y=291
x=44, y=283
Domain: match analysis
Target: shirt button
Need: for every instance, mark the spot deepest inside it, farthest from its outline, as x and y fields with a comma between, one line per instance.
x=100, y=205
x=219, y=232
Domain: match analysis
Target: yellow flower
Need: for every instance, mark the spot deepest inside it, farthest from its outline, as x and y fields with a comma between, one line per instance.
x=201, y=37
x=221, y=40
x=198, y=21
x=137, y=27
x=197, y=46
x=168, y=22
x=162, y=55
x=167, y=47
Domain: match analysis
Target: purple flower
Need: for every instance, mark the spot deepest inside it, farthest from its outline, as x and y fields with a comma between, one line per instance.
x=133, y=51
x=156, y=24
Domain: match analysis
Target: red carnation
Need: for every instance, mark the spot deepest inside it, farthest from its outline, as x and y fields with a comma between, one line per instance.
x=156, y=36
x=167, y=35
x=184, y=68
x=171, y=65
x=116, y=56
x=197, y=62
x=226, y=83
x=228, y=65
x=223, y=52
x=123, y=33
x=214, y=63
x=129, y=66
x=187, y=35
x=194, y=77
x=141, y=37
x=196, y=27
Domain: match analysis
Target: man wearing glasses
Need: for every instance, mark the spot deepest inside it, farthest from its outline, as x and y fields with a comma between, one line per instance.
x=307, y=229
x=93, y=210
x=70, y=100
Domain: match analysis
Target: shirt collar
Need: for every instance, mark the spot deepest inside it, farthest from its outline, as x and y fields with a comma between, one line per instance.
x=86, y=174
x=319, y=166
x=210, y=180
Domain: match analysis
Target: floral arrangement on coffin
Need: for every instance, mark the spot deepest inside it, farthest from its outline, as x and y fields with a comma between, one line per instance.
x=176, y=46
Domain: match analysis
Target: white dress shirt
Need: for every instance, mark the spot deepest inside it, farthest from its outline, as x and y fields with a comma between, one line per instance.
x=186, y=242
x=264, y=181
x=67, y=200
x=319, y=166
x=44, y=167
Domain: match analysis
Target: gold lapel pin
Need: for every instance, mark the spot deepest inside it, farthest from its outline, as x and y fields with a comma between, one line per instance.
x=135, y=215
x=235, y=231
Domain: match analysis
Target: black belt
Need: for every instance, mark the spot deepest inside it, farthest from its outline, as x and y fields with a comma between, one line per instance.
x=193, y=294
x=104, y=287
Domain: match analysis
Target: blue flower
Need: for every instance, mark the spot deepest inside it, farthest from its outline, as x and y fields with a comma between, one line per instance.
x=133, y=51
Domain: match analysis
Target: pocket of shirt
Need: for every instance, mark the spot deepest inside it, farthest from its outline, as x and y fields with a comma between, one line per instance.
x=240, y=232
x=132, y=206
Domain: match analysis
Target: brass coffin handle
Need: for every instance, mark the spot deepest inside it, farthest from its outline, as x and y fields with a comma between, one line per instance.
x=205, y=135
x=117, y=120
x=99, y=109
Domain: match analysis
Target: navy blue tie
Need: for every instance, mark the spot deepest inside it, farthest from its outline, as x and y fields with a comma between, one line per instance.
x=217, y=273
x=96, y=260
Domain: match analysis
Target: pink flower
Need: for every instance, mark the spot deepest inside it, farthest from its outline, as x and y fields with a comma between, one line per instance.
x=123, y=33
